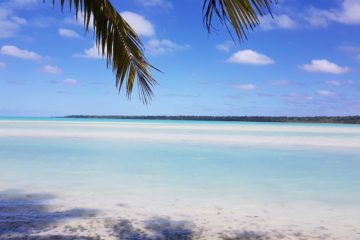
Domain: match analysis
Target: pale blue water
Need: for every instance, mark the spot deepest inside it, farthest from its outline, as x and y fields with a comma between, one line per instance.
x=203, y=171
x=186, y=169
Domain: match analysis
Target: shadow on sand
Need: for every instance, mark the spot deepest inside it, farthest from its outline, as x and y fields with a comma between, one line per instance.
x=22, y=215
x=26, y=216
x=30, y=217
x=247, y=235
x=156, y=228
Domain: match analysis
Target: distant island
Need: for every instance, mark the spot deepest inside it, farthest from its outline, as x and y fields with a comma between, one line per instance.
x=318, y=119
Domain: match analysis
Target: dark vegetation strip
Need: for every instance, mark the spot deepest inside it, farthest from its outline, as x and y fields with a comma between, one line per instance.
x=319, y=119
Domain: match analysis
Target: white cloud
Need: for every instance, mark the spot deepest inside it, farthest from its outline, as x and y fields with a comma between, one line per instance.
x=19, y=20
x=90, y=53
x=250, y=57
x=323, y=65
x=140, y=24
x=164, y=4
x=325, y=93
x=346, y=13
x=165, y=46
x=246, y=86
x=225, y=46
x=14, y=51
x=2, y=65
x=278, y=21
x=334, y=82
x=349, y=12
x=51, y=69
x=68, y=33
x=317, y=17
x=70, y=81
x=9, y=23
x=7, y=28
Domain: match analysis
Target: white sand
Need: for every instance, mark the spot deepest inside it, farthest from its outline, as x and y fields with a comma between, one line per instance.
x=189, y=220
x=215, y=134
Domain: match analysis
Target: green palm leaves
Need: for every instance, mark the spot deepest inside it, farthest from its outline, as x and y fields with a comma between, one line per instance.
x=119, y=44
x=241, y=14
x=123, y=50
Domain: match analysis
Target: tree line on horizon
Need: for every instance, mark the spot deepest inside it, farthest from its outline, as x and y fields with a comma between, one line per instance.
x=316, y=119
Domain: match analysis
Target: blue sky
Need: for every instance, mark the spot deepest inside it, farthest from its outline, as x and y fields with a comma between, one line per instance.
x=305, y=61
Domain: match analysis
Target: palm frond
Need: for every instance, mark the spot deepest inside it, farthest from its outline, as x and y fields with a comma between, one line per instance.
x=241, y=14
x=118, y=43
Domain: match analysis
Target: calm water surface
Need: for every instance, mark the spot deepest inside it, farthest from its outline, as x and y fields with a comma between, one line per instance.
x=180, y=169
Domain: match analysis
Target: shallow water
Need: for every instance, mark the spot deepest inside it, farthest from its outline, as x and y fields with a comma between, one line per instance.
x=303, y=174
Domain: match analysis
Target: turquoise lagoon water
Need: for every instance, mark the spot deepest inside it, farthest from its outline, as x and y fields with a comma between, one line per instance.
x=181, y=169
x=168, y=161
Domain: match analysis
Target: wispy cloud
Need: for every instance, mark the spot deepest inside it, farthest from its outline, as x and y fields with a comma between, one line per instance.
x=14, y=51
x=19, y=20
x=90, y=53
x=70, y=81
x=164, y=4
x=225, y=46
x=281, y=21
x=325, y=93
x=10, y=24
x=346, y=13
x=139, y=23
x=325, y=66
x=250, y=57
x=51, y=69
x=165, y=46
x=68, y=33
x=245, y=86
x=352, y=49
x=333, y=82
x=2, y=65
x=303, y=16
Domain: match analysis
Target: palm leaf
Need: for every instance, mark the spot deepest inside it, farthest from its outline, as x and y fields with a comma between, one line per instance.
x=241, y=14
x=118, y=43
